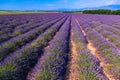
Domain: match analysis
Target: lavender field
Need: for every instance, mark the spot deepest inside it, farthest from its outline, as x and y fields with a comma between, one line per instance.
x=59, y=46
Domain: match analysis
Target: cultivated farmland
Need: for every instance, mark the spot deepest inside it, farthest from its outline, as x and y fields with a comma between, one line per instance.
x=59, y=46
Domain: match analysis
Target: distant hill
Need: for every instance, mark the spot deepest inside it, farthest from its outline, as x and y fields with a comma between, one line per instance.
x=65, y=9
x=111, y=7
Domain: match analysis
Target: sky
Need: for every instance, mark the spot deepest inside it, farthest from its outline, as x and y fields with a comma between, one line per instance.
x=53, y=4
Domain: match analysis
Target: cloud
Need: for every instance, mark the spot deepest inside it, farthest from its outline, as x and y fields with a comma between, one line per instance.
x=110, y=2
x=79, y=4
x=95, y=3
x=49, y=5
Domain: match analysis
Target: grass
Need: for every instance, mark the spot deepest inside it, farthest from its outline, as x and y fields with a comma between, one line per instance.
x=8, y=12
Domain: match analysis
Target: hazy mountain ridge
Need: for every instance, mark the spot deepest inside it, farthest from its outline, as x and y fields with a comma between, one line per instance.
x=111, y=7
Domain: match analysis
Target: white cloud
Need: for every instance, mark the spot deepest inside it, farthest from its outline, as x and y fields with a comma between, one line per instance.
x=110, y=2
x=79, y=4
x=49, y=5
x=85, y=4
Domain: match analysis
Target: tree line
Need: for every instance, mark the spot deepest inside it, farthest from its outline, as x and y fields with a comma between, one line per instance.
x=100, y=11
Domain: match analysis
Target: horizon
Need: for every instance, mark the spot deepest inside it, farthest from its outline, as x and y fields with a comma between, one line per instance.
x=54, y=4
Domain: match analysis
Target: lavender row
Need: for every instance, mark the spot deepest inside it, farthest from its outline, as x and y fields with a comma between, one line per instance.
x=19, y=41
x=106, y=50
x=20, y=26
x=105, y=20
x=87, y=65
x=57, y=25
x=22, y=61
x=22, y=18
x=111, y=29
x=37, y=23
x=10, y=24
x=109, y=32
x=9, y=30
x=23, y=30
x=53, y=67
x=113, y=38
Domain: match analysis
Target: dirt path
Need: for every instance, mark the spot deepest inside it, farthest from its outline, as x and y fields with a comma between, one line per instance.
x=102, y=62
x=72, y=65
x=94, y=53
